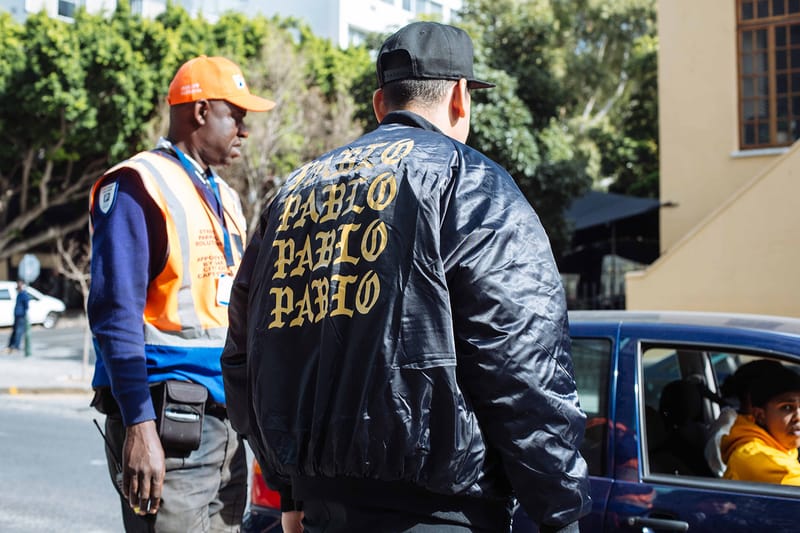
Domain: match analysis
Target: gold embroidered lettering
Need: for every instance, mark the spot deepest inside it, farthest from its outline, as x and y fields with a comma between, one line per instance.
x=308, y=209
x=382, y=191
x=351, y=198
x=339, y=298
x=321, y=288
x=333, y=201
x=304, y=259
x=303, y=311
x=369, y=289
x=374, y=241
x=397, y=151
x=284, y=300
x=344, y=256
x=290, y=207
x=327, y=242
x=285, y=255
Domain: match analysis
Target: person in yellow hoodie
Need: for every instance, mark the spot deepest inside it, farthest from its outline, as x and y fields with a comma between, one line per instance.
x=762, y=446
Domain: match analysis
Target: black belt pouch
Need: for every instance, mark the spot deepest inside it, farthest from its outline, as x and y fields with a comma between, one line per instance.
x=179, y=407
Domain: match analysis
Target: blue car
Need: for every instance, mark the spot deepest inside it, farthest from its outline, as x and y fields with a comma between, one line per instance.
x=650, y=383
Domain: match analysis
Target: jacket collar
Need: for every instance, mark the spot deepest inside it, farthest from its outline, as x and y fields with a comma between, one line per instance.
x=409, y=118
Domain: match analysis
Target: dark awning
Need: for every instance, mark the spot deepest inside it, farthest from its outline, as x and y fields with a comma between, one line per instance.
x=596, y=208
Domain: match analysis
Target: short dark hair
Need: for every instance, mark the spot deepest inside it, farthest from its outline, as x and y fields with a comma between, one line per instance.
x=398, y=94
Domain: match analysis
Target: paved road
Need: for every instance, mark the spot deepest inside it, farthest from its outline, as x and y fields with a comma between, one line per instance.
x=53, y=473
x=53, y=467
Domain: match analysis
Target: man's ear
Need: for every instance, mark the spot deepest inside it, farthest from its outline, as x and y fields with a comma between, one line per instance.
x=459, y=99
x=201, y=108
x=379, y=105
x=759, y=415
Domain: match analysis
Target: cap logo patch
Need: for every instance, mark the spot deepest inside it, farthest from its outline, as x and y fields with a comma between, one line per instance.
x=108, y=193
x=239, y=81
x=193, y=88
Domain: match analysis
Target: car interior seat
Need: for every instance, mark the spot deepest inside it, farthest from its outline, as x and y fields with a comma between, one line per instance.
x=686, y=431
x=661, y=459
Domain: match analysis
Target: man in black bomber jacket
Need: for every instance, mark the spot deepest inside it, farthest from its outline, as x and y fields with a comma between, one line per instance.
x=398, y=354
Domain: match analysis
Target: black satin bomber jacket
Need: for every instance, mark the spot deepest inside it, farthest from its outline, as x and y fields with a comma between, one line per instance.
x=400, y=317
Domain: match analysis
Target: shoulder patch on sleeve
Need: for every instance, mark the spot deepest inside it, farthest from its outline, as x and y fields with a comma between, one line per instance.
x=107, y=197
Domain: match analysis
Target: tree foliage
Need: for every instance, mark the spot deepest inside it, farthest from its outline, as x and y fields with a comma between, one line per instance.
x=575, y=105
x=78, y=97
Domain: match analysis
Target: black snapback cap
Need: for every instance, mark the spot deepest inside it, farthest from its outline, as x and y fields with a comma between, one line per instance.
x=772, y=382
x=427, y=51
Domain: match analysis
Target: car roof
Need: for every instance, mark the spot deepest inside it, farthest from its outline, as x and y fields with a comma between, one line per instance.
x=739, y=321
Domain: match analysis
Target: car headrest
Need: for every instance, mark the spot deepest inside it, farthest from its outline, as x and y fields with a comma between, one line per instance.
x=681, y=403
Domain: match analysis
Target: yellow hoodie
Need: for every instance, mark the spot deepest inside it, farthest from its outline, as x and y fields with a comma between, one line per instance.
x=752, y=454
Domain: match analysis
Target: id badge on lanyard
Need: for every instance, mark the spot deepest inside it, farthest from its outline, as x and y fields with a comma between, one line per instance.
x=224, y=287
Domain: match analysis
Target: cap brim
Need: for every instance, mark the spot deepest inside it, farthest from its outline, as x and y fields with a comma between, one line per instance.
x=477, y=84
x=251, y=102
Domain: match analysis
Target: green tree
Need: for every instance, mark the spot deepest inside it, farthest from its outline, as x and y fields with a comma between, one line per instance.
x=578, y=108
x=312, y=83
x=76, y=98
x=518, y=123
x=610, y=77
x=68, y=107
x=631, y=157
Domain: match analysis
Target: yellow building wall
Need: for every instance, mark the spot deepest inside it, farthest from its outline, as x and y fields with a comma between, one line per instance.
x=700, y=166
x=731, y=243
x=743, y=258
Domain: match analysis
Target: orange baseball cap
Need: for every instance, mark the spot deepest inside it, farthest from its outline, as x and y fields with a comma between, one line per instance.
x=214, y=78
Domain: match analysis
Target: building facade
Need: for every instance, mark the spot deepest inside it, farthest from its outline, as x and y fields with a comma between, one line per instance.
x=20, y=9
x=344, y=22
x=729, y=116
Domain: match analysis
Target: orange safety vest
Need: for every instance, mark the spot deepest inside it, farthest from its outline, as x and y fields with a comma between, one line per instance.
x=182, y=317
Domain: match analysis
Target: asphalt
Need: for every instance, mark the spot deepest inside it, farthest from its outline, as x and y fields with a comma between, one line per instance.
x=52, y=368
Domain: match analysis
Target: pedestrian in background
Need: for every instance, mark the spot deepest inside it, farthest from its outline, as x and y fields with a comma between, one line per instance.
x=167, y=239
x=20, y=318
x=398, y=352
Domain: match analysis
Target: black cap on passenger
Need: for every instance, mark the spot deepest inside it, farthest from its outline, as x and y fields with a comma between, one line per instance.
x=428, y=51
x=773, y=382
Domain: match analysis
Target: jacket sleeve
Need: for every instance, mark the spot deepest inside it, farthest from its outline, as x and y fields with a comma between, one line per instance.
x=512, y=340
x=235, y=374
x=234, y=355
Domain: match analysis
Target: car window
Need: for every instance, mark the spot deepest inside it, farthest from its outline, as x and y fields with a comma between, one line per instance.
x=660, y=367
x=679, y=406
x=591, y=359
x=685, y=413
x=5, y=294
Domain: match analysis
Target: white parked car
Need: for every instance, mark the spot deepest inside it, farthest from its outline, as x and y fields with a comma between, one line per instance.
x=42, y=309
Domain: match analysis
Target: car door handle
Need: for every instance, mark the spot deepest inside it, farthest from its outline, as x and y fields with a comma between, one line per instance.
x=662, y=524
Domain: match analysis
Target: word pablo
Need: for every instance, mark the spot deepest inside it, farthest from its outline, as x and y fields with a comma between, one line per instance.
x=329, y=232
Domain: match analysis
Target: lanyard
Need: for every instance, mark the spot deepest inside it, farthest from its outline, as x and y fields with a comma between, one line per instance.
x=212, y=181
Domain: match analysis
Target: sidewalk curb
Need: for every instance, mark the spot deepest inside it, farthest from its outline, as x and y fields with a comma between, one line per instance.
x=17, y=391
